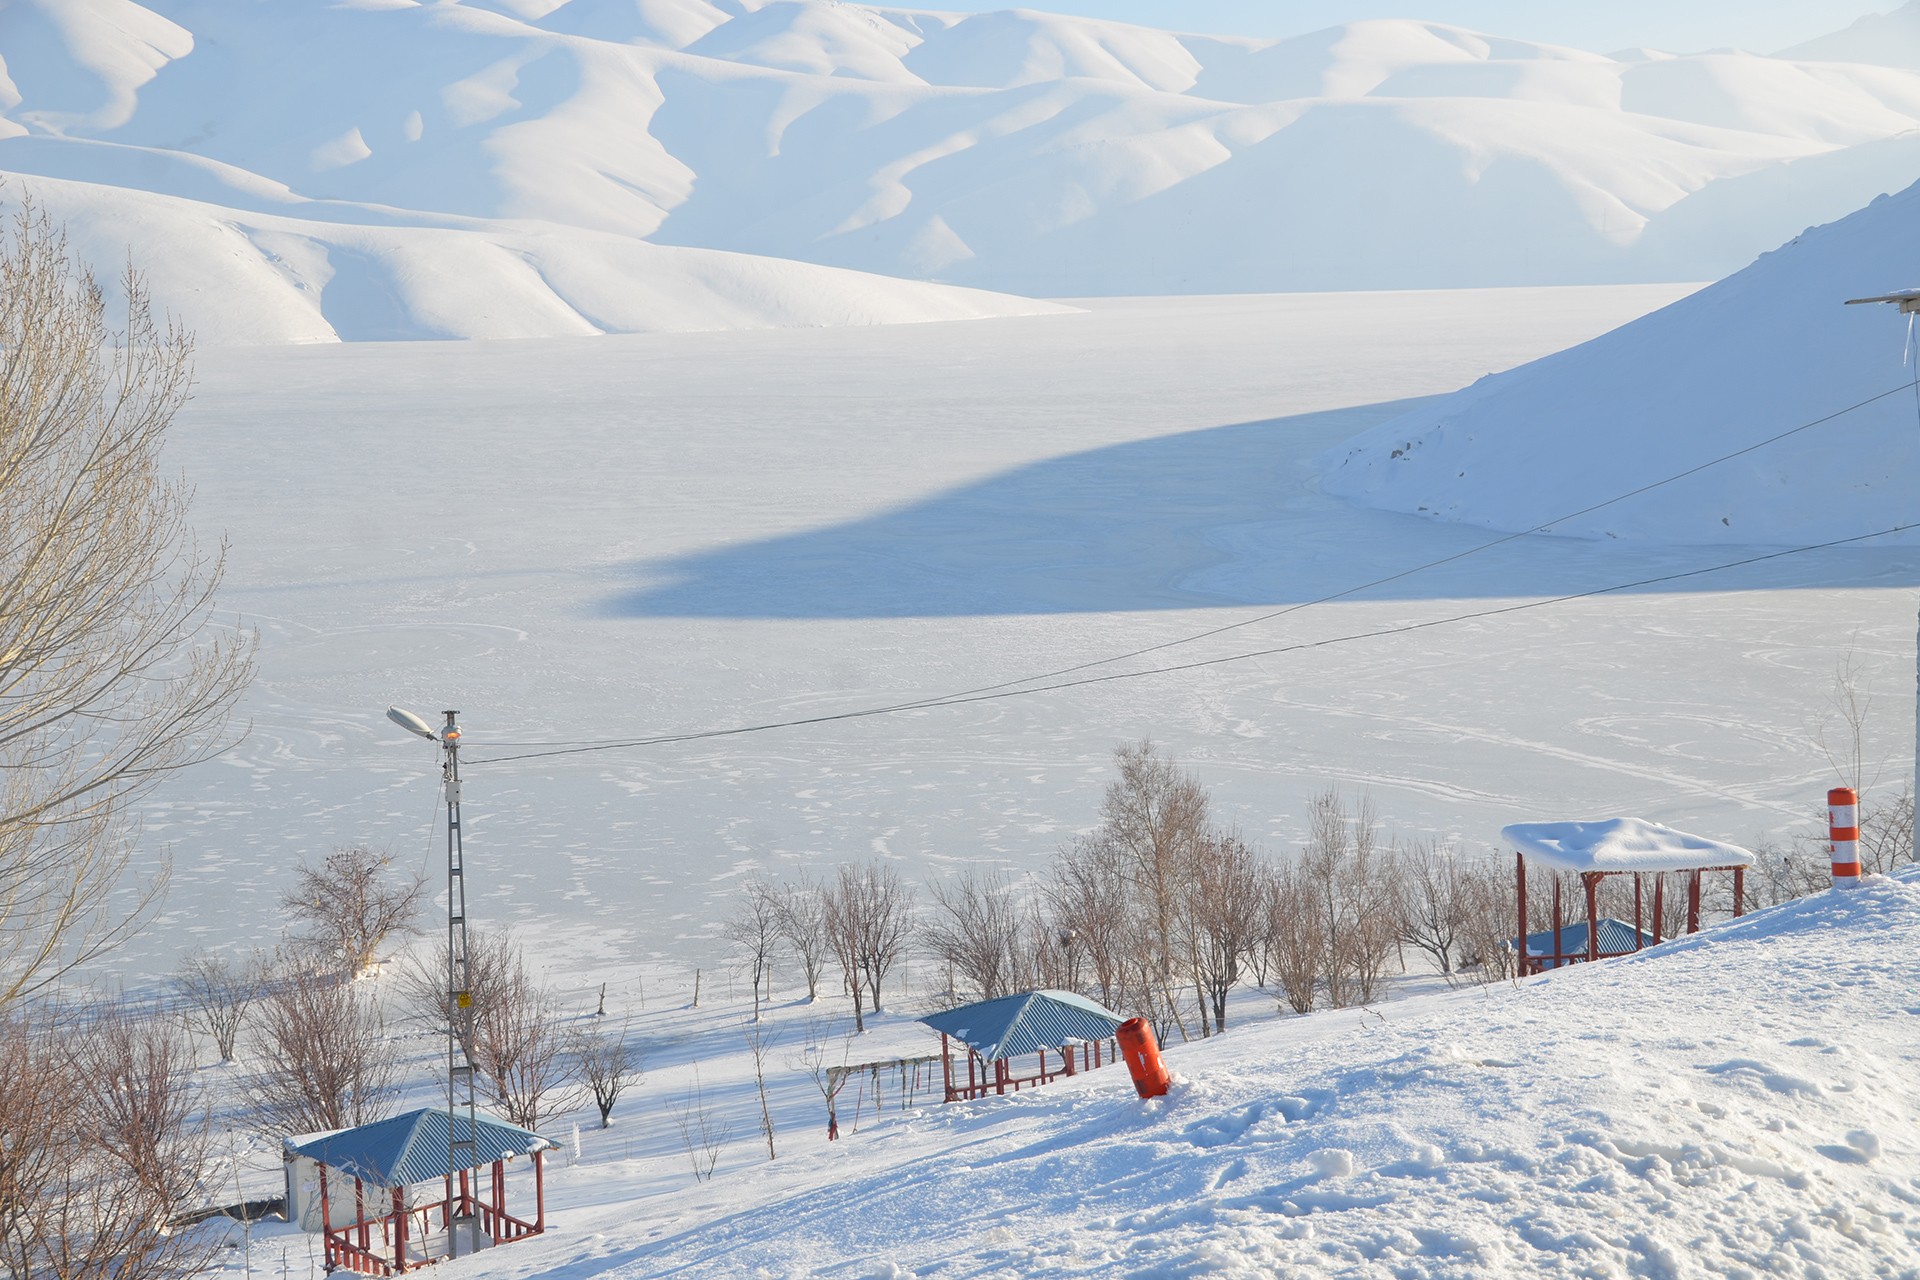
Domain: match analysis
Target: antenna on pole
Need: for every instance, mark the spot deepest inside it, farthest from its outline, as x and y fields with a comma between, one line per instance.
x=462, y=1124
x=1908, y=300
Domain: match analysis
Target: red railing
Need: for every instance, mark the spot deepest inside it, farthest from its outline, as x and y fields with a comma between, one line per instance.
x=998, y=1077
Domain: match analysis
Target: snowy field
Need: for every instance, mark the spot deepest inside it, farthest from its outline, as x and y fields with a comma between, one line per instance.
x=602, y=539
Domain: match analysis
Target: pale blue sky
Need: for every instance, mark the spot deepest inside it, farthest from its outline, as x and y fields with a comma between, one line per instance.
x=1761, y=26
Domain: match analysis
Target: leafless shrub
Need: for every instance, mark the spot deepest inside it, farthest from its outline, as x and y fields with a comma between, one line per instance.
x=606, y=1064
x=215, y=993
x=703, y=1133
x=110, y=676
x=101, y=1148
x=350, y=904
x=324, y=1058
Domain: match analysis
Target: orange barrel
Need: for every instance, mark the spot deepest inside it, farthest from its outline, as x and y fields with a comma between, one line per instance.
x=1150, y=1075
x=1843, y=818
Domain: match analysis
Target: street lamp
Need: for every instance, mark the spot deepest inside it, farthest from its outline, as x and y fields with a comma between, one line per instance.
x=462, y=1143
x=1908, y=300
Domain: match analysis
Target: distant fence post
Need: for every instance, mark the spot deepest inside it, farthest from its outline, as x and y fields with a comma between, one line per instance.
x=1843, y=816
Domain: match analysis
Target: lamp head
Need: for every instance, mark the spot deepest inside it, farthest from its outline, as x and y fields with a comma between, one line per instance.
x=412, y=723
x=1907, y=299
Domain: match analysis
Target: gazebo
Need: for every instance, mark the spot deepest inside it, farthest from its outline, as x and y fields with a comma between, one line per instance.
x=1593, y=851
x=995, y=1032
x=388, y=1200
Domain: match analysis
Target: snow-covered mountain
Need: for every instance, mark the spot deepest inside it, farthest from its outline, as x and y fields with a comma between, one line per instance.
x=501, y=167
x=1767, y=350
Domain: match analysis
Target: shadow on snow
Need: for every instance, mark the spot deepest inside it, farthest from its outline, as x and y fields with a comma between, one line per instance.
x=1223, y=516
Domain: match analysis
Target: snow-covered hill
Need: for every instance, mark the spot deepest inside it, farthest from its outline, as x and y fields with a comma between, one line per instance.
x=1762, y=352
x=1733, y=1104
x=494, y=167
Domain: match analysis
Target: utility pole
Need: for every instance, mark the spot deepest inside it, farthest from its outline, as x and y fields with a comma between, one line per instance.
x=463, y=1147
x=1908, y=300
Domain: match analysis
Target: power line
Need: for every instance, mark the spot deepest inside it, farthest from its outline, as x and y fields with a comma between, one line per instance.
x=992, y=695
x=1343, y=594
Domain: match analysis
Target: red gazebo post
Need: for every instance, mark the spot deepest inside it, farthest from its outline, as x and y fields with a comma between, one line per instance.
x=1591, y=879
x=1520, y=881
x=400, y=1228
x=326, y=1220
x=539, y=1193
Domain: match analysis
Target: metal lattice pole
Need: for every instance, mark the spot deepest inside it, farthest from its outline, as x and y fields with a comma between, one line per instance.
x=462, y=1129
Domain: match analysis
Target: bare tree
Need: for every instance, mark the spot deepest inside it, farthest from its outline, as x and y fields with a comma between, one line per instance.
x=1154, y=816
x=1225, y=916
x=1841, y=735
x=869, y=913
x=1489, y=919
x=703, y=1133
x=1296, y=940
x=1352, y=881
x=111, y=675
x=754, y=930
x=1433, y=904
x=606, y=1064
x=215, y=993
x=520, y=1049
x=1088, y=892
x=139, y=1076
x=828, y=1076
x=102, y=1146
x=978, y=929
x=350, y=904
x=493, y=966
x=759, y=1041
x=324, y=1058
x=803, y=925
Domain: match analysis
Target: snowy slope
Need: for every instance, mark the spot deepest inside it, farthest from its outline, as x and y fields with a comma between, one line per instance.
x=1734, y=1104
x=1889, y=39
x=400, y=157
x=1762, y=352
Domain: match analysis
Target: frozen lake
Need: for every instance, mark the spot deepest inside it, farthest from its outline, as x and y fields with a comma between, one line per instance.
x=593, y=539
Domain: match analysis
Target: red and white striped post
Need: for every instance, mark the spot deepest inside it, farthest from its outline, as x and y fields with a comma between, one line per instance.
x=1843, y=816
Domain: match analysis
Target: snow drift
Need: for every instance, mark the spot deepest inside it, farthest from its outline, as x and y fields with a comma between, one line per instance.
x=392, y=169
x=1763, y=352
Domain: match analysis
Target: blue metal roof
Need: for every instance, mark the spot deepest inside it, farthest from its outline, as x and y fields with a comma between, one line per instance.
x=412, y=1147
x=1026, y=1023
x=1616, y=938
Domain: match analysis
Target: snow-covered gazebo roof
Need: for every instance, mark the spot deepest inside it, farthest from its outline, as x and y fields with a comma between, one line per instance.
x=1616, y=845
x=1017, y=1024
x=412, y=1147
